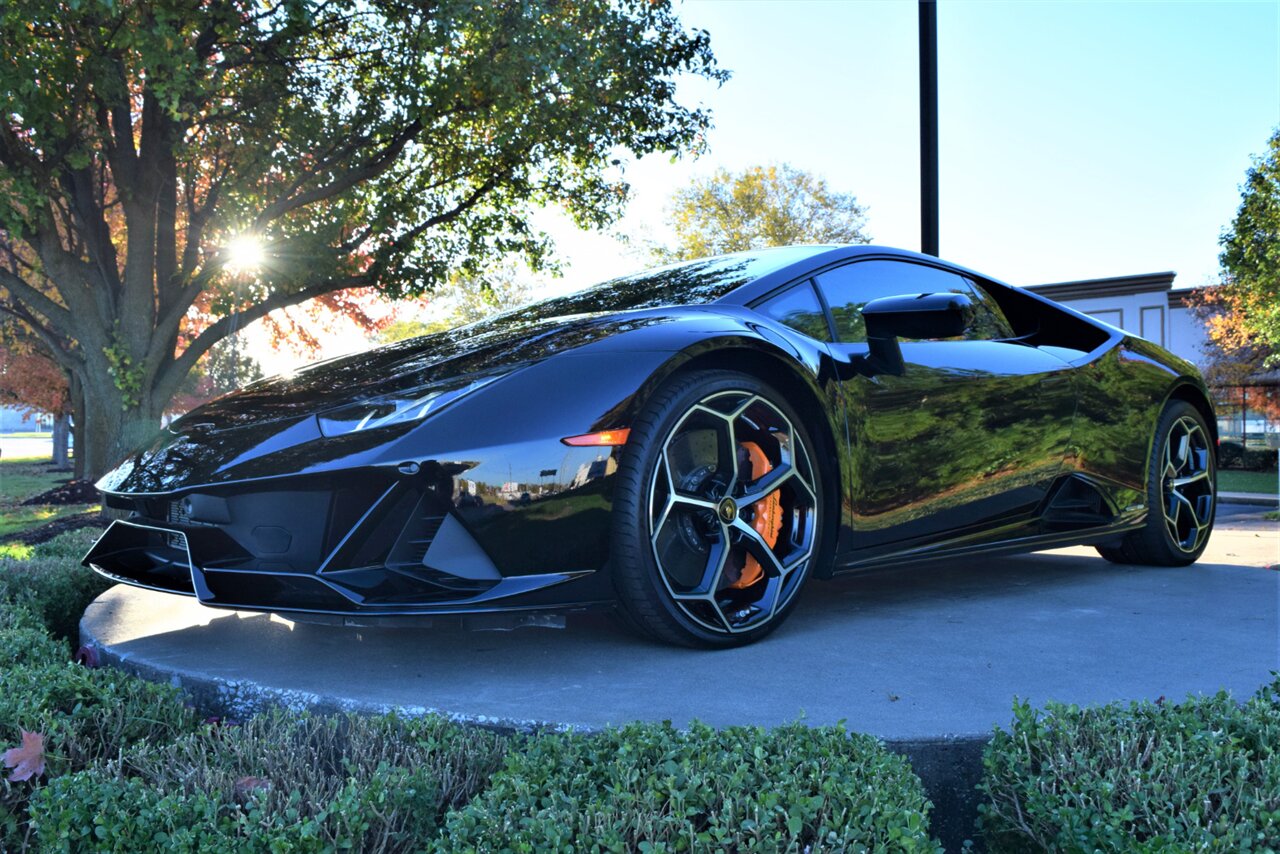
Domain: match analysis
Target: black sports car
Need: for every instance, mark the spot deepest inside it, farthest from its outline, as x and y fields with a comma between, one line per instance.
x=688, y=445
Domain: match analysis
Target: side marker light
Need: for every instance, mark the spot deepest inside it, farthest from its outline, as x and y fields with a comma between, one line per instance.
x=603, y=439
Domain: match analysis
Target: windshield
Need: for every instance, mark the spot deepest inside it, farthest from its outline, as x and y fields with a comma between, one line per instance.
x=684, y=283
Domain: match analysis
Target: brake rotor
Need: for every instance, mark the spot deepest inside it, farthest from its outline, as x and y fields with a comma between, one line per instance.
x=766, y=516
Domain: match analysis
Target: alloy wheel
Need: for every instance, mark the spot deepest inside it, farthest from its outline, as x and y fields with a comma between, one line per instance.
x=1186, y=484
x=732, y=512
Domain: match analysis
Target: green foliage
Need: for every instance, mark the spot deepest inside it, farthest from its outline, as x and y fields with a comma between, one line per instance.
x=651, y=788
x=1203, y=775
x=1251, y=248
x=275, y=783
x=24, y=639
x=127, y=376
x=51, y=583
x=84, y=715
x=759, y=207
x=381, y=145
x=1258, y=459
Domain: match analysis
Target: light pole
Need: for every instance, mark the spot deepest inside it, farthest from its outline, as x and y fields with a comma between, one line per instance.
x=928, y=127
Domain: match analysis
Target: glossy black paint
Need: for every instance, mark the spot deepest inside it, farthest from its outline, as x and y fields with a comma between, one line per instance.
x=1034, y=440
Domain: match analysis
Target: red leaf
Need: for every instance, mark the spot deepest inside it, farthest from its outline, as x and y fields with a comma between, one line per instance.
x=246, y=786
x=26, y=761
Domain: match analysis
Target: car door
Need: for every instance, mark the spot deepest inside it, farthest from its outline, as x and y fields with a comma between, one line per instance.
x=968, y=436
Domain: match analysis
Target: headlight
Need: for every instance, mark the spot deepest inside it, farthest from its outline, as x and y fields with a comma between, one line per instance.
x=401, y=408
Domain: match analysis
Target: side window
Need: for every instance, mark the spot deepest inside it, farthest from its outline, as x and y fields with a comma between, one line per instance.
x=852, y=286
x=798, y=307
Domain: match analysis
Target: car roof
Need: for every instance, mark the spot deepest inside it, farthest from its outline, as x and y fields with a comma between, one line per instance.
x=822, y=257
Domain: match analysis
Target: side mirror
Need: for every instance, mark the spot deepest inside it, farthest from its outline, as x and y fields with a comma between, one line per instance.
x=910, y=316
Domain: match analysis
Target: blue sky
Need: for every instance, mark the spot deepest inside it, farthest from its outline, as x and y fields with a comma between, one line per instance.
x=1078, y=139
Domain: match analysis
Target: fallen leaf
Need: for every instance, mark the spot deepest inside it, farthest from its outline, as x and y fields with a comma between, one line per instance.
x=26, y=761
x=246, y=786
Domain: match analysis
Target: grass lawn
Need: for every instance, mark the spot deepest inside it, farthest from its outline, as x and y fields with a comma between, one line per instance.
x=21, y=479
x=1247, y=481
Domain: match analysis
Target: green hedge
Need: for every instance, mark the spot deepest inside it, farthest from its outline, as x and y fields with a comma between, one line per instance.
x=1203, y=775
x=24, y=639
x=275, y=783
x=50, y=582
x=652, y=788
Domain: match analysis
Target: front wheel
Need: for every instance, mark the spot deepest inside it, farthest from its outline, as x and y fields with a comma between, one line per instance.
x=1181, y=494
x=718, y=511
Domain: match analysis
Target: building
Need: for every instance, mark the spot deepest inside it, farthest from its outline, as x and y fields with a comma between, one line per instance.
x=15, y=419
x=1148, y=305
x=1145, y=305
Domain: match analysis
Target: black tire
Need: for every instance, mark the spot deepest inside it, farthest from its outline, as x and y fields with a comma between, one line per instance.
x=650, y=513
x=1179, y=541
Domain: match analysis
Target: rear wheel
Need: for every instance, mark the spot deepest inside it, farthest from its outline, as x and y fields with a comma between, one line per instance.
x=717, y=511
x=1181, y=494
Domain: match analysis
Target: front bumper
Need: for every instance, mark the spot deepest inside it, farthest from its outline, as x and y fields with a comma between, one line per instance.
x=362, y=542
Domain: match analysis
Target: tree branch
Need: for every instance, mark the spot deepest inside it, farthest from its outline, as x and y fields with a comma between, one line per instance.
x=382, y=162
x=37, y=301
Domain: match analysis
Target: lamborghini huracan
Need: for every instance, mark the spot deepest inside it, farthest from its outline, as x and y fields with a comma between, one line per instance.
x=687, y=446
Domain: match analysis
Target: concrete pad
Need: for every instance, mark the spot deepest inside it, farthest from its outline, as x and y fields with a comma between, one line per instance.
x=928, y=652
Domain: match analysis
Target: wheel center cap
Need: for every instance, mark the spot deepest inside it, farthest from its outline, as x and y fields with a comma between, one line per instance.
x=728, y=510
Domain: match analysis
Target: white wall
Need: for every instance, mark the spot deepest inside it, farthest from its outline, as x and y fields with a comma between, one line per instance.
x=1149, y=315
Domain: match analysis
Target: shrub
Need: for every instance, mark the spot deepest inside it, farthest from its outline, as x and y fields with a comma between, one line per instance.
x=1203, y=775
x=1229, y=453
x=651, y=788
x=52, y=584
x=1258, y=460
x=276, y=783
x=24, y=640
x=84, y=716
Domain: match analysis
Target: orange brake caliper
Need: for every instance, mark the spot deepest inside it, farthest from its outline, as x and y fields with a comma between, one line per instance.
x=766, y=516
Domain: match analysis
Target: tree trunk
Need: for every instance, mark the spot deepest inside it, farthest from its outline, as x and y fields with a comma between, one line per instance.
x=61, y=435
x=77, y=428
x=114, y=429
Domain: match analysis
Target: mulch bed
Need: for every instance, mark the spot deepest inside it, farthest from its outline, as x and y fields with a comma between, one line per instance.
x=57, y=527
x=71, y=492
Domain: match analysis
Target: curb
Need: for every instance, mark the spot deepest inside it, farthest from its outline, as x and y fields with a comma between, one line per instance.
x=949, y=766
x=1257, y=499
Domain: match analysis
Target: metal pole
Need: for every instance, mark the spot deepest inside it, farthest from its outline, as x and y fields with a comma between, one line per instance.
x=929, y=127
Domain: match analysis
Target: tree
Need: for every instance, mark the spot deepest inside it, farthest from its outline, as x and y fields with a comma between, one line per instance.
x=1251, y=250
x=32, y=381
x=150, y=148
x=1236, y=358
x=758, y=207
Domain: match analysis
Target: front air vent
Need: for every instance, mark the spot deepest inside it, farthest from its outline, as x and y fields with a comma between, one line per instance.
x=417, y=541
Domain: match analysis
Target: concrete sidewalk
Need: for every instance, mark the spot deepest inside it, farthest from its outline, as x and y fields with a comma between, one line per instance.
x=910, y=653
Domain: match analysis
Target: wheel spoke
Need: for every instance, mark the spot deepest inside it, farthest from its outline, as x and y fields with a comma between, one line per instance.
x=759, y=549
x=762, y=488
x=1179, y=482
x=692, y=501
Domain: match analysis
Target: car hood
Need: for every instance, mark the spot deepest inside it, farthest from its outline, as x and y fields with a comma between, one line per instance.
x=497, y=345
